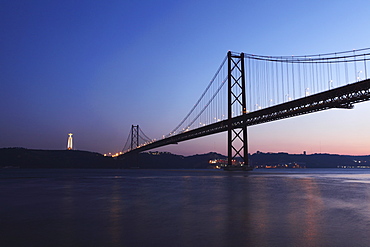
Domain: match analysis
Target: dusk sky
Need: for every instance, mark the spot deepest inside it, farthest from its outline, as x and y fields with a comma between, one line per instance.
x=94, y=68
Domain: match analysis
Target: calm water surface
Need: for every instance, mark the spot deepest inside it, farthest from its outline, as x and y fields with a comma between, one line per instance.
x=302, y=207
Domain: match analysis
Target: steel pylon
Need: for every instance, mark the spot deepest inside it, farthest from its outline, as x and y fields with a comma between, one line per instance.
x=134, y=136
x=237, y=136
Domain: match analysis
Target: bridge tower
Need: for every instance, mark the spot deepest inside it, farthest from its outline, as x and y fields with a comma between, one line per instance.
x=237, y=142
x=134, y=136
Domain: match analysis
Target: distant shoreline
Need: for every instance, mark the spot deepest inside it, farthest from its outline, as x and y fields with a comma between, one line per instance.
x=36, y=158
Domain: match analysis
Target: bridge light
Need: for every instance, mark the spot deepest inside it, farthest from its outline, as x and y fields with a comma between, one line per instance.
x=358, y=75
x=307, y=92
x=288, y=98
x=330, y=84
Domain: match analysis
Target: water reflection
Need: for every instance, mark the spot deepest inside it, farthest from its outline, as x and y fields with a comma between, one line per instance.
x=223, y=211
x=115, y=213
x=66, y=208
x=313, y=212
x=187, y=208
x=260, y=209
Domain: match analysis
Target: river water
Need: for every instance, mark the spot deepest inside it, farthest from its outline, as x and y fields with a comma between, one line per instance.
x=287, y=207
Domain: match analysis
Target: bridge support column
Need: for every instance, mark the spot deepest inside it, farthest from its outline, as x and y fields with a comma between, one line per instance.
x=236, y=137
x=134, y=136
x=135, y=144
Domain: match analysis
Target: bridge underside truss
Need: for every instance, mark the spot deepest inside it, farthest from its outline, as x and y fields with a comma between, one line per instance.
x=341, y=97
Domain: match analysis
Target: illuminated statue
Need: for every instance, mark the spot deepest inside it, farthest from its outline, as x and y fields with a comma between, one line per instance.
x=70, y=142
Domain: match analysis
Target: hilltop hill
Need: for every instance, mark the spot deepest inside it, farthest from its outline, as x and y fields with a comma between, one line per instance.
x=317, y=160
x=165, y=160
x=31, y=158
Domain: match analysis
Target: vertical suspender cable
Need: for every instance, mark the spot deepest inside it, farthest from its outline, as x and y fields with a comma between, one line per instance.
x=365, y=67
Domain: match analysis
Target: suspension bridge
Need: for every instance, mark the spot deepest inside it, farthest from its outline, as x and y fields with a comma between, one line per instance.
x=250, y=89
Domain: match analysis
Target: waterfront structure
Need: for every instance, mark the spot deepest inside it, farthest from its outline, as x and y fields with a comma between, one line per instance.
x=70, y=142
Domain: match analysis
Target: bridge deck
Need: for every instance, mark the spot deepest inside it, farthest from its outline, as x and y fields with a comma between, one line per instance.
x=341, y=97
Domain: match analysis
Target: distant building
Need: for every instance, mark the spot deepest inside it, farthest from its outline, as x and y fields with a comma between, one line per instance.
x=70, y=142
x=220, y=163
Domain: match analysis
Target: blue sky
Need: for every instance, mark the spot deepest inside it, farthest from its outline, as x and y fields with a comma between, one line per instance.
x=94, y=68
